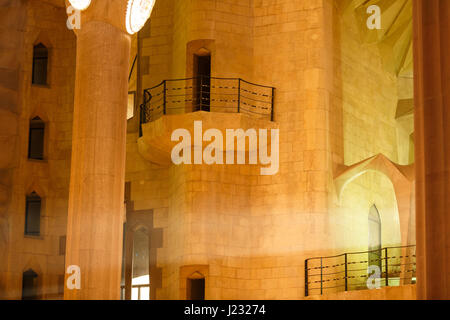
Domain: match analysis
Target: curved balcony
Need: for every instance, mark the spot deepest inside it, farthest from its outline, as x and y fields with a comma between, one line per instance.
x=220, y=103
x=210, y=94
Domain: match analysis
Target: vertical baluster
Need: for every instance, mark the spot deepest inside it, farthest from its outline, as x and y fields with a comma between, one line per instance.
x=306, y=278
x=273, y=102
x=165, y=97
x=386, y=267
x=346, y=272
x=239, y=95
x=321, y=276
x=201, y=93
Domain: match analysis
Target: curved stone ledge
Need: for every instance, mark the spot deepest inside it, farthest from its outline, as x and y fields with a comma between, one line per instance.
x=156, y=146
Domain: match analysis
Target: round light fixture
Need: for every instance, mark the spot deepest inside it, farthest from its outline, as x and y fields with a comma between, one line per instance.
x=138, y=12
x=80, y=4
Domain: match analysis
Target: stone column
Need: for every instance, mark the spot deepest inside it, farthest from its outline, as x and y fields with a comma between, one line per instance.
x=432, y=125
x=96, y=200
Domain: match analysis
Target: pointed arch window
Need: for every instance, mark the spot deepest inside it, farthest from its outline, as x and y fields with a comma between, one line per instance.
x=33, y=215
x=40, y=64
x=36, y=139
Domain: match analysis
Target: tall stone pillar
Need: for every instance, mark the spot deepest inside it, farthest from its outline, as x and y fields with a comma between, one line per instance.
x=432, y=126
x=96, y=200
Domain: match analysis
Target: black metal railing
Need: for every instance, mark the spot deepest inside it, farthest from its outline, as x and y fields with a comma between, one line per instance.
x=350, y=271
x=229, y=95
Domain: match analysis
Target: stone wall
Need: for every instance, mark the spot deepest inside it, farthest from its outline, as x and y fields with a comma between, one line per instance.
x=42, y=22
x=13, y=19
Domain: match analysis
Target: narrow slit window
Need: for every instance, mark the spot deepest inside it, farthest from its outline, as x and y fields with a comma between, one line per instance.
x=40, y=64
x=36, y=139
x=33, y=215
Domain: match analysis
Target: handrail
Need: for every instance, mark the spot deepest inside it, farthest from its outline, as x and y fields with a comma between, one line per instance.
x=360, y=252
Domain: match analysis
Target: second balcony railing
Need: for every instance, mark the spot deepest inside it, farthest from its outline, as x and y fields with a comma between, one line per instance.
x=350, y=271
x=210, y=94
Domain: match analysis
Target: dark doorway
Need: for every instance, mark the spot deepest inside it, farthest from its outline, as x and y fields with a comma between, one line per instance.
x=202, y=73
x=196, y=289
x=29, y=285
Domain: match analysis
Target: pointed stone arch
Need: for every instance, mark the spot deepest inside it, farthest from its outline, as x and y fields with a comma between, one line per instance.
x=39, y=112
x=196, y=275
x=36, y=186
x=43, y=38
x=33, y=263
x=403, y=181
x=402, y=178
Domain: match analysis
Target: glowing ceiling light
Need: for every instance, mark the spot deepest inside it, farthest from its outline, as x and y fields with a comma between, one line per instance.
x=138, y=12
x=80, y=4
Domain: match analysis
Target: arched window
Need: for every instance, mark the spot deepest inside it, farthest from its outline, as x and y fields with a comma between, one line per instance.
x=374, y=237
x=33, y=215
x=29, y=285
x=40, y=63
x=36, y=139
x=195, y=287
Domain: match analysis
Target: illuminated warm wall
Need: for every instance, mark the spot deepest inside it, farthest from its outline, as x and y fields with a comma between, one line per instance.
x=335, y=105
x=248, y=234
x=366, y=99
x=254, y=232
x=36, y=22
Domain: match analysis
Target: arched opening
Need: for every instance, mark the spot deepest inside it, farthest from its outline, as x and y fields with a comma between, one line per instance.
x=36, y=139
x=33, y=215
x=29, y=285
x=357, y=198
x=374, y=237
x=40, y=64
